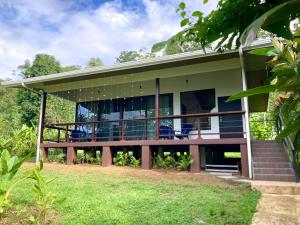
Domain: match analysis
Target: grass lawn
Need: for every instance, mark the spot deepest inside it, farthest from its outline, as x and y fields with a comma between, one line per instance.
x=118, y=195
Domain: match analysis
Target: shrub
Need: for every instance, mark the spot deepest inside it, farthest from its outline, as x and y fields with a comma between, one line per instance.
x=126, y=159
x=60, y=158
x=121, y=159
x=169, y=162
x=184, y=162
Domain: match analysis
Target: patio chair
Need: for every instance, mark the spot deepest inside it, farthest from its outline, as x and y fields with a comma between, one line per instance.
x=186, y=129
x=166, y=132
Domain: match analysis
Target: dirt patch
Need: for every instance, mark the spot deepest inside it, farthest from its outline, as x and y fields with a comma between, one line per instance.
x=22, y=215
x=155, y=175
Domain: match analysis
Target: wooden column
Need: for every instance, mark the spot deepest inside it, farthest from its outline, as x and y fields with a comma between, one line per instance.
x=146, y=157
x=45, y=154
x=244, y=160
x=71, y=155
x=195, y=156
x=106, y=156
x=157, y=106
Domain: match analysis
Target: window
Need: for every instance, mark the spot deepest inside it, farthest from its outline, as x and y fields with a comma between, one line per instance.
x=200, y=101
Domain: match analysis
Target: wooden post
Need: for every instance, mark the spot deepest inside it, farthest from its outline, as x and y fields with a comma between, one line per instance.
x=146, y=157
x=106, y=156
x=199, y=128
x=195, y=156
x=157, y=106
x=45, y=154
x=58, y=135
x=41, y=125
x=93, y=132
x=71, y=155
x=66, y=134
x=244, y=160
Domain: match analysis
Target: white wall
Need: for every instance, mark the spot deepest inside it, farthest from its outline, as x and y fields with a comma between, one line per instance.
x=225, y=83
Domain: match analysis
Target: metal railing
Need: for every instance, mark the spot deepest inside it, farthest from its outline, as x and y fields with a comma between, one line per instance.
x=174, y=127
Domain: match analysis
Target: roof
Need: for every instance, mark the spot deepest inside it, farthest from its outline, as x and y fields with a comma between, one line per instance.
x=132, y=67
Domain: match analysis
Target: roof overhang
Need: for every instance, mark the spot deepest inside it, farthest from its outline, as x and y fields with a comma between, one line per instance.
x=134, y=67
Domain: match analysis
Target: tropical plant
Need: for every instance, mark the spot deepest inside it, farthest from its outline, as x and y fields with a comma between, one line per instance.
x=184, y=162
x=121, y=159
x=9, y=167
x=134, y=162
x=158, y=162
x=46, y=198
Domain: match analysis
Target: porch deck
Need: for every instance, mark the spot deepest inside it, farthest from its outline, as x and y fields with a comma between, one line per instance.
x=150, y=133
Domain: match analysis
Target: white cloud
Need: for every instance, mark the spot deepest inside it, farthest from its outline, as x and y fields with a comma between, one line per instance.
x=74, y=36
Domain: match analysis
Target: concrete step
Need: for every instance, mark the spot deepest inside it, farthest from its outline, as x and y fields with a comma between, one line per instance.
x=274, y=187
x=279, y=171
x=270, y=154
x=269, y=159
x=266, y=149
x=273, y=177
x=271, y=165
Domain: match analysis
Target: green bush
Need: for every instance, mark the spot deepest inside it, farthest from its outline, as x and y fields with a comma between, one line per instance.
x=60, y=158
x=169, y=162
x=184, y=162
x=126, y=159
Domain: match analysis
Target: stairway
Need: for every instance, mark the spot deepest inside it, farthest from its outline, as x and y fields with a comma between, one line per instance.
x=270, y=162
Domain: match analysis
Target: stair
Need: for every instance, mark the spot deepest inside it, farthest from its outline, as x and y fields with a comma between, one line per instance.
x=270, y=162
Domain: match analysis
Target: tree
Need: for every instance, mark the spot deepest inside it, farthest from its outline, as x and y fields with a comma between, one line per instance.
x=29, y=102
x=127, y=56
x=93, y=62
x=224, y=26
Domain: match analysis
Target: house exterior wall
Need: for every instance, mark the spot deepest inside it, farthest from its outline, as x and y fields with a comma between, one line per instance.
x=225, y=83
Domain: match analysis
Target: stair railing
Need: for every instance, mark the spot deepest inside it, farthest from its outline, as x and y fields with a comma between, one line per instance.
x=288, y=147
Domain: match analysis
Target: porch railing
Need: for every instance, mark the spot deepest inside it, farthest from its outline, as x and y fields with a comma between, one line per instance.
x=189, y=126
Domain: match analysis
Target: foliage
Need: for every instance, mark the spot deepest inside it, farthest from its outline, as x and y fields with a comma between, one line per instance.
x=9, y=112
x=93, y=62
x=70, y=68
x=184, y=162
x=127, y=56
x=263, y=126
x=126, y=159
x=60, y=158
x=9, y=166
x=29, y=103
x=226, y=24
x=45, y=197
x=168, y=162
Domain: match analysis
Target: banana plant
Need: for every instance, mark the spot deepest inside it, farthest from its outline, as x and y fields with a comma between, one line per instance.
x=9, y=167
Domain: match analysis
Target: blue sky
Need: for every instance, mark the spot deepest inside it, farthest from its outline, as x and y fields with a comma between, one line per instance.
x=74, y=31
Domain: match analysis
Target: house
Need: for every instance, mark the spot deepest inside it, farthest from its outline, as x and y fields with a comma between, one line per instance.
x=170, y=103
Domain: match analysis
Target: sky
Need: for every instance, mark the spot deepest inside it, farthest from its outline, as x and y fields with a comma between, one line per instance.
x=75, y=31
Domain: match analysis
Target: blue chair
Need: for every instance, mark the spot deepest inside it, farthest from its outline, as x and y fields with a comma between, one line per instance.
x=166, y=132
x=76, y=134
x=186, y=129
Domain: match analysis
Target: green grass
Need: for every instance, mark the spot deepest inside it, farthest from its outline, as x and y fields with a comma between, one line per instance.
x=232, y=154
x=100, y=196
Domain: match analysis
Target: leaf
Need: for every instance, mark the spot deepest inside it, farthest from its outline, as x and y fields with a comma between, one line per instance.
x=184, y=22
x=253, y=91
x=183, y=13
x=197, y=14
x=205, y=1
x=269, y=51
x=291, y=127
x=275, y=20
x=182, y=5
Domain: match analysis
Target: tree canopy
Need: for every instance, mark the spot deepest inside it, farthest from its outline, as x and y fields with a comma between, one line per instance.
x=93, y=62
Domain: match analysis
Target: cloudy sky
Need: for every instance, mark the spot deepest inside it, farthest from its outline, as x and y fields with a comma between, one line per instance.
x=74, y=31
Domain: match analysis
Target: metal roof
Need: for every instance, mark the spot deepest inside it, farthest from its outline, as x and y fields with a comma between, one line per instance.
x=133, y=66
